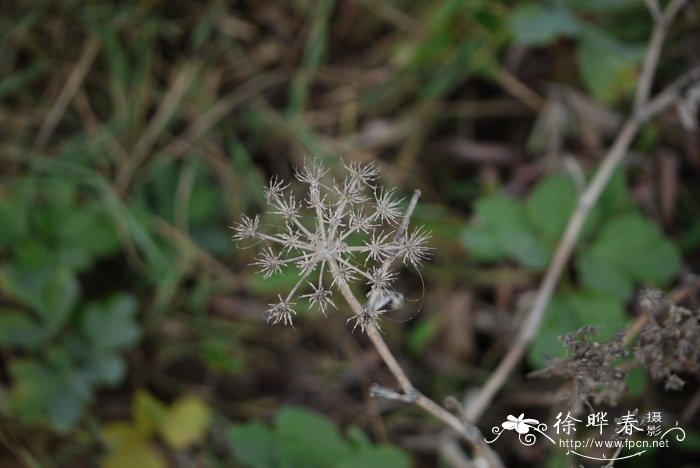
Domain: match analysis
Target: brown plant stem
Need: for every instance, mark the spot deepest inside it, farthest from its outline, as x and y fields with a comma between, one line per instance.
x=466, y=430
x=644, y=110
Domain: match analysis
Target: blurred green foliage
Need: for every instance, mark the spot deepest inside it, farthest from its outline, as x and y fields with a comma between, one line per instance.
x=606, y=64
x=618, y=249
x=68, y=343
x=302, y=438
x=116, y=270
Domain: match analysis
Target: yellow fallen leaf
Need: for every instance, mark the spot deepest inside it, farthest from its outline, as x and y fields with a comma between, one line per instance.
x=135, y=454
x=185, y=422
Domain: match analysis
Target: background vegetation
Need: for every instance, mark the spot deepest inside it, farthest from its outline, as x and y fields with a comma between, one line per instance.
x=132, y=331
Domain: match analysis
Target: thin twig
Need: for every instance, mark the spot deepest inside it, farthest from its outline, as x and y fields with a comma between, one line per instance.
x=466, y=430
x=658, y=36
x=587, y=200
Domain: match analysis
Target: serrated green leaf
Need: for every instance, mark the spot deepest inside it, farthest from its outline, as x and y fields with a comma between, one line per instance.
x=357, y=438
x=482, y=243
x=106, y=368
x=614, y=197
x=47, y=392
x=508, y=222
x=635, y=246
x=567, y=313
x=600, y=275
x=377, y=456
x=308, y=439
x=534, y=24
x=607, y=66
x=18, y=329
x=51, y=293
x=254, y=444
x=550, y=205
x=13, y=219
x=111, y=324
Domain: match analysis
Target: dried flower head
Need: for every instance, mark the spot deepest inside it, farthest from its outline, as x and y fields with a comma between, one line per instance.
x=590, y=366
x=670, y=341
x=336, y=232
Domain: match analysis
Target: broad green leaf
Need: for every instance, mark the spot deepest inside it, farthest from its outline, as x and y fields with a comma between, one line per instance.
x=18, y=329
x=254, y=444
x=607, y=67
x=51, y=293
x=357, y=438
x=307, y=439
x=46, y=392
x=635, y=246
x=614, y=197
x=378, y=456
x=550, y=205
x=569, y=312
x=185, y=423
x=106, y=368
x=507, y=220
x=13, y=219
x=304, y=439
x=482, y=243
x=599, y=274
x=111, y=324
x=534, y=24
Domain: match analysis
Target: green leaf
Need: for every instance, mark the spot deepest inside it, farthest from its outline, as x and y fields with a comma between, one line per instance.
x=607, y=66
x=304, y=439
x=482, y=243
x=507, y=220
x=600, y=275
x=13, y=219
x=379, y=456
x=569, y=312
x=48, y=392
x=534, y=24
x=17, y=329
x=106, y=368
x=614, y=197
x=550, y=205
x=186, y=422
x=51, y=293
x=635, y=246
x=111, y=324
x=307, y=439
x=254, y=444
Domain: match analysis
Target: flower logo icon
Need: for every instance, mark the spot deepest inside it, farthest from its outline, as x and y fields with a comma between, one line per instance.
x=520, y=424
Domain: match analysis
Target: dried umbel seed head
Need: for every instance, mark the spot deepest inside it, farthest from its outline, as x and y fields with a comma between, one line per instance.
x=335, y=232
x=590, y=366
x=669, y=342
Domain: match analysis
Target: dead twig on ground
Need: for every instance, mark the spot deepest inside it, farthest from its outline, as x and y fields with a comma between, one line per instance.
x=643, y=111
